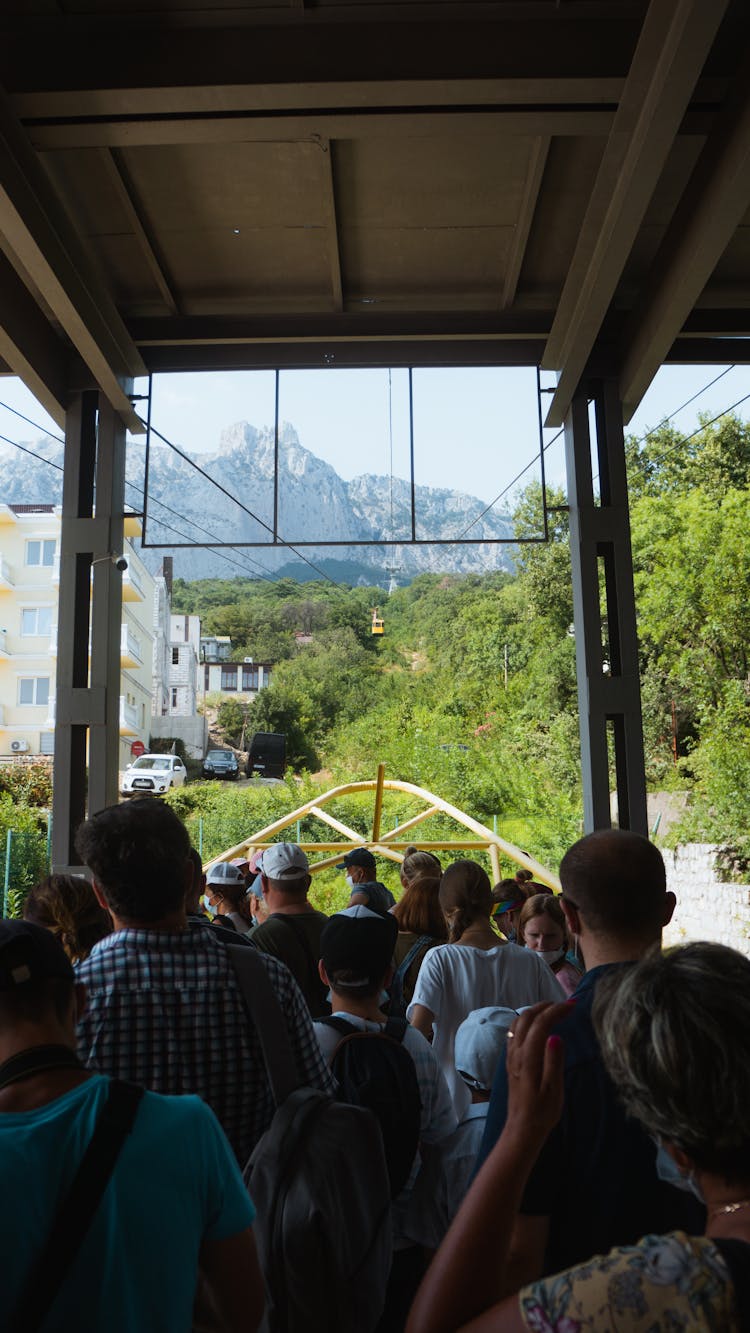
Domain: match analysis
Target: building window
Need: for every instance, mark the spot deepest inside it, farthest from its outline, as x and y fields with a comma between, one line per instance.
x=266, y=677
x=33, y=690
x=41, y=552
x=175, y=657
x=229, y=677
x=36, y=621
x=249, y=677
x=174, y=698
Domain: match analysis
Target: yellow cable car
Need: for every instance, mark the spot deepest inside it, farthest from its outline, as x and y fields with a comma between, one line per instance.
x=377, y=622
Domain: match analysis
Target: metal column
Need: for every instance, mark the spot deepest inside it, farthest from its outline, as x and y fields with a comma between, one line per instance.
x=606, y=654
x=88, y=638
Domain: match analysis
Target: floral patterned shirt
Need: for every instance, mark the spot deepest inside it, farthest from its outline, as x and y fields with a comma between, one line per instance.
x=664, y=1284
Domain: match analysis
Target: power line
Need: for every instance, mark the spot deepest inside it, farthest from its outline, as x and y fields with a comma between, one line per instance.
x=249, y=512
x=140, y=492
x=30, y=452
x=687, y=403
x=29, y=422
x=510, y=485
x=704, y=426
x=265, y=572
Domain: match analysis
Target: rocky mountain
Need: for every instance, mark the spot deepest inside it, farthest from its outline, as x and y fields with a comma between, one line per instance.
x=313, y=504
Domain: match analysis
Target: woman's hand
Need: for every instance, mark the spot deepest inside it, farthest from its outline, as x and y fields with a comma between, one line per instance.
x=535, y=1066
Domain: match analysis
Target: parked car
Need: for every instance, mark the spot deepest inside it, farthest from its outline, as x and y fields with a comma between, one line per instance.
x=267, y=755
x=220, y=764
x=154, y=773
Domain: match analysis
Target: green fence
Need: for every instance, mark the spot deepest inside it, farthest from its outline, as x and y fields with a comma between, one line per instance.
x=24, y=860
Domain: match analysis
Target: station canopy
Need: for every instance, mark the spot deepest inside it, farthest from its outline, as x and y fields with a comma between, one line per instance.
x=189, y=186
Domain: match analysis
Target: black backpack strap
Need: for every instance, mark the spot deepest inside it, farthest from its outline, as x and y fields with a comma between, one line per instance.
x=395, y=1028
x=399, y=976
x=736, y=1256
x=341, y=1025
x=262, y=1005
x=76, y=1211
x=301, y=937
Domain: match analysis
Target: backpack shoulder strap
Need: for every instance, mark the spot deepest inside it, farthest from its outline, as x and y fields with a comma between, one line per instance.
x=76, y=1211
x=399, y=976
x=395, y=1028
x=339, y=1024
x=736, y=1256
x=299, y=934
x=267, y=1018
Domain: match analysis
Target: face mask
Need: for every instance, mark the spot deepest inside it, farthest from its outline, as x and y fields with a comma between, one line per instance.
x=550, y=956
x=350, y=881
x=205, y=904
x=668, y=1171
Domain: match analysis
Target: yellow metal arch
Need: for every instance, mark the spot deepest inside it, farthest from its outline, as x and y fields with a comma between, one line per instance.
x=391, y=844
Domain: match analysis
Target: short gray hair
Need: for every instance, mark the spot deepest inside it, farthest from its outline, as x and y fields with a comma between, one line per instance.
x=674, y=1032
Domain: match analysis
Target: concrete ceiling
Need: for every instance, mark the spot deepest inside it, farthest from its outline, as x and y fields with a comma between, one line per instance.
x=554, y=182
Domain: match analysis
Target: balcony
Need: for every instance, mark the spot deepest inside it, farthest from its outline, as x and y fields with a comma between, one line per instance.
x=7, y=576
x=132, y=586
x=2, y=716
x=131, y=651
x=128, y=718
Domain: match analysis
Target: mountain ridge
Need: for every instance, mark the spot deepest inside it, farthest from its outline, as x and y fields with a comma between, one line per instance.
x=312, y=503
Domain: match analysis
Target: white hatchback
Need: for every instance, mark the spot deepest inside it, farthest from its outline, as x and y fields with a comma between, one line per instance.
x=152, y=774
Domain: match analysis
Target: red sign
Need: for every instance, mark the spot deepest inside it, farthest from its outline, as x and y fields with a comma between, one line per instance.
x=137, y=749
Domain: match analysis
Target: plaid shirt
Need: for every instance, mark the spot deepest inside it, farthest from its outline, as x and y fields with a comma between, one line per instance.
x=164, y=1009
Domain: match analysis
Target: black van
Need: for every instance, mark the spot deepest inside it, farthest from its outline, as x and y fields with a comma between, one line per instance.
x=267, y=755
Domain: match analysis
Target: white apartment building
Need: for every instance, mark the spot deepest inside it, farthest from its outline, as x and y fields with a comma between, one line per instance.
x=29, y=586
x=184, y=640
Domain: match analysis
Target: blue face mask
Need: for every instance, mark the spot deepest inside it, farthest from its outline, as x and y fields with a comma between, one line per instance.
x=668, y=1171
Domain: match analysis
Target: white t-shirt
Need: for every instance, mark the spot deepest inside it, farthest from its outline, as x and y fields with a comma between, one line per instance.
x=455, y=979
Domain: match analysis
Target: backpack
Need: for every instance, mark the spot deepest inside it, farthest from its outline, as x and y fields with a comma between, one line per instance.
x=319, y=1182
x=374, y=1069
x=397, y=1007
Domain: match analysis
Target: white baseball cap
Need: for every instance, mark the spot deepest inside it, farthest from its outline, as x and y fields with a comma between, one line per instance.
x=480, y=1041
x=225, y=873
x=284, y=860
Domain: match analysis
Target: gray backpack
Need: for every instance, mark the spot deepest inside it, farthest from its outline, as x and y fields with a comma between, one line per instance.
x=319, y=1182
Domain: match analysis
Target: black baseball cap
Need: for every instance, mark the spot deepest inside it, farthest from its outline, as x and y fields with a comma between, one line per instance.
x=30, y=954
x=358, y=941
x=358, y=857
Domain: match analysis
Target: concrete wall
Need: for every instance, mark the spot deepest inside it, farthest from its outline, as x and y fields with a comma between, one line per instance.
x=192, y=730
x=706, y=908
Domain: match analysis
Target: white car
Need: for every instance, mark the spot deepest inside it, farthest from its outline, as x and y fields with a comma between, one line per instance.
x=152, y=774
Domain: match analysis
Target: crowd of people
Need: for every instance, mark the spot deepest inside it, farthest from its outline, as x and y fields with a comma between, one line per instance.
x=475, y=1108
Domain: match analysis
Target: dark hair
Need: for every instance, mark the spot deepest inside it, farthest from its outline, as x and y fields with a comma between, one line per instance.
x=35, y=1001
x=617, y=880
x=674, y=1033
x=67, y=905
x=466, y=895
x=346, y=982
x=137, y=853
x=235, y=895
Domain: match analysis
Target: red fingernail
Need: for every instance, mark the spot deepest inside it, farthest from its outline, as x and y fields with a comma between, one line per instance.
x=554, y=1042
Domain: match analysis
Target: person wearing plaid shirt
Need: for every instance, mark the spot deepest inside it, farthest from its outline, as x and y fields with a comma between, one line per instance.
x=163, y=1005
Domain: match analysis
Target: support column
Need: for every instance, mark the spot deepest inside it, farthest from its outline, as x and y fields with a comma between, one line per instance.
x=602, y=569
x=88, y=683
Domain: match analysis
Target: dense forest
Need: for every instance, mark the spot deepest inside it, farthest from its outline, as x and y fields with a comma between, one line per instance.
x=471, y=691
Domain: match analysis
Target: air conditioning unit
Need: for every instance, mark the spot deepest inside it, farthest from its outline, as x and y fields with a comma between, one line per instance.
x=18, y=747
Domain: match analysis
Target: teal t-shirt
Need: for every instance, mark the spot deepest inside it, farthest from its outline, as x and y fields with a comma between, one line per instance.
x=176, y=1184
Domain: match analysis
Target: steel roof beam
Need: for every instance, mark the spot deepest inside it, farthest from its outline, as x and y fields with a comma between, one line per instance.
x=713, y=205
x=29, y=347
x=675, y=40
x=38, y=234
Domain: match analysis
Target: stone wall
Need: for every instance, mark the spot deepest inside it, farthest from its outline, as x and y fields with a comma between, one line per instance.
x=706, y=908
x=192, y=730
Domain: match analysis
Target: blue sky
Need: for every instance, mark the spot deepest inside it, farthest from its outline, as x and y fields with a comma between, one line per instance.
x=475, y=429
